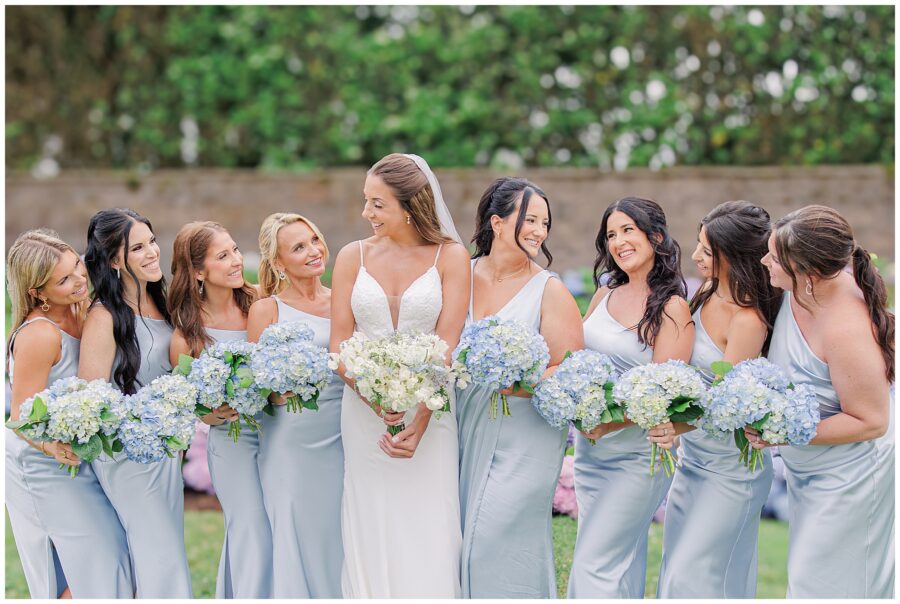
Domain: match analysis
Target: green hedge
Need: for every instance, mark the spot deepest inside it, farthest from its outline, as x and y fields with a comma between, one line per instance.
x=301, y=87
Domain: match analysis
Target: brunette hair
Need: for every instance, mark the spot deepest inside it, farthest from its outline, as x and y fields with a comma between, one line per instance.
x=817, y=241
x=410, y=185
x=108, y=232
x=664, y=280
x=738, y=231
x=500, y=199
x=185, y=302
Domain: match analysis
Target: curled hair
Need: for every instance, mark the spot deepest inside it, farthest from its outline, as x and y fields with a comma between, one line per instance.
x=108, y=232
x=269, y=283
x=738, y=231
x=817, y=241
x=185, y=303
x=410, y=185
x=500, y=199
x=31, y=260
x=664, y=279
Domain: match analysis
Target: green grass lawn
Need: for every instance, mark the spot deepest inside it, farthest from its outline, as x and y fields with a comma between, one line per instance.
x=204, y=542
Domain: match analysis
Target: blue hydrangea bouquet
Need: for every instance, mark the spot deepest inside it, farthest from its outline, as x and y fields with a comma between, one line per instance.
x=580, y=391
x=757, y=393
x=288, y=363
x=657, y=393
x=498, y=354
x=222, y=375
x=82, y=414
x=159, y=419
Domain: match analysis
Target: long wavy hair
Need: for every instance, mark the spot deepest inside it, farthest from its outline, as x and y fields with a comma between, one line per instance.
x=738, y=231
x=269, y=283
x=410, y=186
x=185, y=303
x=817, y=241
x=664, y=280
x=500, y=199
x=108, y=232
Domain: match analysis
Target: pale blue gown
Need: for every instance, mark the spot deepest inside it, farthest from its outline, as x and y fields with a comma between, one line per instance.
x=840, y=497
x=301, y=466
x=245, y=566
x=66, y=530
x=713, y=511
x=615, y=493
x=509, y=467
x=149, y=498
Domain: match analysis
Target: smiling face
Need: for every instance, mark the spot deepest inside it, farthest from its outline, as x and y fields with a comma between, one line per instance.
x=67, y=283
x=382, y=208
x=223, y=265
x=777, y=276
x=703, y=258
x=301, y=253
x=627, y=244
x=142, y=256
x=535, y=227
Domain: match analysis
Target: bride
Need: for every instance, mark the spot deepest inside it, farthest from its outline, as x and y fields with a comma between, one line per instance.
x=400, y=511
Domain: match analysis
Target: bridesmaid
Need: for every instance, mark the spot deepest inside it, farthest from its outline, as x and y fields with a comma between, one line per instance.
x=209, y=301
x=126, y=340
x=509, y=466
x=48, y=289
x=615, y=492
x=835, y=333
x=714, y=505
x=303, y=492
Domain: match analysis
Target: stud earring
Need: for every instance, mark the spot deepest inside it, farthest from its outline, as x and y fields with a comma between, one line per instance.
x=407, y=219
x=281, y=275
x=45, y=306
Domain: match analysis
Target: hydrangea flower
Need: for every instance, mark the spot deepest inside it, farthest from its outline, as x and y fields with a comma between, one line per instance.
x=398, y=372
x=222, y=375
x=498, y=354
x=757, y=393
x=160, y=420
x=656, y=393
x=580, y=391
x=287, y=361
x=79, y=413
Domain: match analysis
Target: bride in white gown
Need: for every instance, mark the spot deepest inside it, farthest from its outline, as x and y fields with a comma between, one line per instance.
x=400, y=510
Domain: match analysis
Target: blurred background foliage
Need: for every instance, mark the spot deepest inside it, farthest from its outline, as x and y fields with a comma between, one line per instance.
x=304, y=87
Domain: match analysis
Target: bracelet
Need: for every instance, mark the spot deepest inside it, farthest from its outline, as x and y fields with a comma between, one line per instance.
x=43, y=444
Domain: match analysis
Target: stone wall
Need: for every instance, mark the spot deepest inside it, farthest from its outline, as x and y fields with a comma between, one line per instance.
x=333, y=199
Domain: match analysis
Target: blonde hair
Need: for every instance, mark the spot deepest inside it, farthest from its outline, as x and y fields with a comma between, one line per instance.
x=30, y=263
x=269, y=283
x=411, y=187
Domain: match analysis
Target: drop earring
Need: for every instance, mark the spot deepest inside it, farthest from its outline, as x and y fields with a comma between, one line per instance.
x=808, y=287
x=201, y=289
x=45, y=306
x=118, y=274
x=407, y=219
x=281, y=275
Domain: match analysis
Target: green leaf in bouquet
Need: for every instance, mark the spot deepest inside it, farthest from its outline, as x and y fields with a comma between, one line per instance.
x=243, y=372
x=567, y=355
x=185, y=362
x=229, y=357
x=175, y=443
x=687, y=415
x=107, y=415
x=38, y=410
x=312, y=403
x=760, y=423
x=608, y=395
x=201, y=410
x=106, y=444
x=245, y=382
x=90, y=450
x=117, y=446
x=720, y=368
x=269, y=409
x=229, y=388
x=740, y=439
x=617, y=412
x=462, y=355
x=526, y=387
x=265, y=392
x=18, y=423
x=678, y=407
x=605, y=418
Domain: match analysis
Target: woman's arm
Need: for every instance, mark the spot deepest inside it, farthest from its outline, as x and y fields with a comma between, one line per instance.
x=98, y=346
x=674, y=341
x=346, y=265
x=36, y=349
x=262, y=313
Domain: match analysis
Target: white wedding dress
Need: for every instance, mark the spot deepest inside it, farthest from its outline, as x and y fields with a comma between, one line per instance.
x=400, y=517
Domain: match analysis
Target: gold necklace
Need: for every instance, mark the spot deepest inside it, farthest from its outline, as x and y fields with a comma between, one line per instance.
x=501, y=279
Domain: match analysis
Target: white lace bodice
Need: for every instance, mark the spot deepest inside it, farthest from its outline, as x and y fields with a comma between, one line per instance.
x=419, y=305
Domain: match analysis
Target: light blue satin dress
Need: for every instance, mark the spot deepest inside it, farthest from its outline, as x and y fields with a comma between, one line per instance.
x=840, y=497
x=713, y=511
x=245, y=566
x=509, y=467
x=66, y=530
x=616, y=495
x=301, y=466
x=149, y=498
